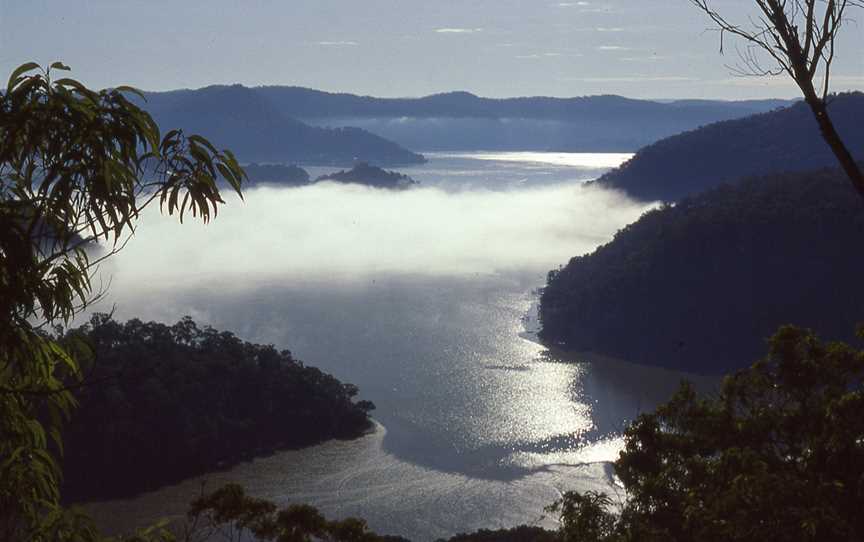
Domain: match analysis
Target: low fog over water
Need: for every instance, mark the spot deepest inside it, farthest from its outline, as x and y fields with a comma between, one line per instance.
x=329, y=231
x=419, y=297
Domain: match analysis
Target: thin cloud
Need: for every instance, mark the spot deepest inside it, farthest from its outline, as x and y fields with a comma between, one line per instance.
x=652, y=58
x=458, y=30
x=340, y=43
x=546, y=55
x=613, y=48
x=633, y=79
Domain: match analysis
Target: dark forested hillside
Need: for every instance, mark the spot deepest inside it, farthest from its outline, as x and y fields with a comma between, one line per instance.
x=699, y=285
x=168, y=402
x=242, y=120
x=783, y=140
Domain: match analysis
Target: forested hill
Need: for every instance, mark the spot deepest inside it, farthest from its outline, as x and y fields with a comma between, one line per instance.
x=368, y=175
x=241, y=119
x=783, y=140
x=162, y=403
x=699, y=285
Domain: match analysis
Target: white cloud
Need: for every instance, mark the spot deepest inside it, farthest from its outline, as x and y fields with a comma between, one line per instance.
x=340, y=43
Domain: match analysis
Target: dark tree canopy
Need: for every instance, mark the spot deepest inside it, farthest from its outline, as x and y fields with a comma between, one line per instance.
x=699, y=285
x=175, y=401
x=778, y=454
x=76, y=166
x=779, y=141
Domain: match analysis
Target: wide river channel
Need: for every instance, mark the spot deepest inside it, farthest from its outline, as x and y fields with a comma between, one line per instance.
x=425, y=299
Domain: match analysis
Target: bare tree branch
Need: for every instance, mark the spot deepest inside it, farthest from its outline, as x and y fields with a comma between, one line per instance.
x=804, y=53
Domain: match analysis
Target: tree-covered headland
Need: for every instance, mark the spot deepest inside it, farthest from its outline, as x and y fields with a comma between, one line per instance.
x=163, y=403
x=699, y=285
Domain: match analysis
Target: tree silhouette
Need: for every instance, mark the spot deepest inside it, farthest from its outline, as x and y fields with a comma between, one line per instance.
x=76, y=166
x=799, y=37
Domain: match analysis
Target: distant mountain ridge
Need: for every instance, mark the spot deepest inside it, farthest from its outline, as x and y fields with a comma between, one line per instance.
x=783, y=140
x=460, y=120
x=306, y=103
x=241, y=119
x=448, y=121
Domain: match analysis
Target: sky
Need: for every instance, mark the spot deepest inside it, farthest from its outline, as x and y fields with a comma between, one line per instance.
x=657, y=49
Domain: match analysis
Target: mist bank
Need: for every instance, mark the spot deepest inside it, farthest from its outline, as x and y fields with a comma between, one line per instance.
x=341, y=232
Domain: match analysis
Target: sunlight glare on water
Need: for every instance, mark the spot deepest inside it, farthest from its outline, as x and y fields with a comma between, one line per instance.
x=418, y=297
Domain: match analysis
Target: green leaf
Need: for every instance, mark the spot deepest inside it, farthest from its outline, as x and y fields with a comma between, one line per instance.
x=23, y=68
x=60, y=66
x=132, y=90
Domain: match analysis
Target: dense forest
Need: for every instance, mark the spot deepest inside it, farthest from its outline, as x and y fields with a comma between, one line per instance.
x=242, y=120
x=699, y=285
x=167, y=402
x=783, y=140
x=523, y=533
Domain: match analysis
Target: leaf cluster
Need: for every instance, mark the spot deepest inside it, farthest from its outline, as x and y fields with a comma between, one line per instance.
x=232, y=513
x=777, y=454
x=77, y=167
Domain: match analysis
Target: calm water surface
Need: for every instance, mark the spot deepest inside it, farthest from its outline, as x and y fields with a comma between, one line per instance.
x=478, y=425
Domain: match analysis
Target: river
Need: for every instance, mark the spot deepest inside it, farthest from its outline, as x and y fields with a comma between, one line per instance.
x=425, y=300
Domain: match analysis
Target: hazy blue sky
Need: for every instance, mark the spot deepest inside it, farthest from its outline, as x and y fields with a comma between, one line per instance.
x=638, y=48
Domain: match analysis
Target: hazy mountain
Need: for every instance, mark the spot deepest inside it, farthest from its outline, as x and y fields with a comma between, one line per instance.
x=463, y=121
x=305, y=103
x=241, y=119
x=290, y=175
x=294, y=124
x=782, y=140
